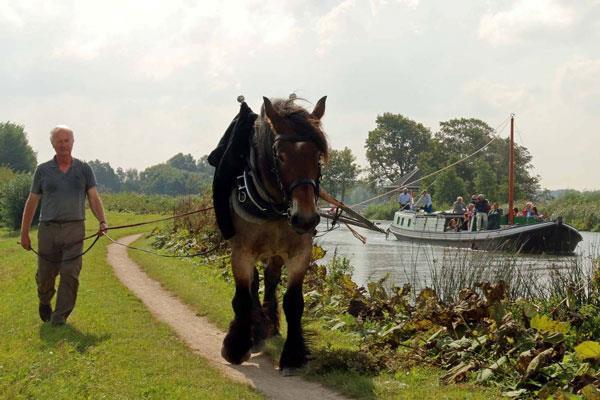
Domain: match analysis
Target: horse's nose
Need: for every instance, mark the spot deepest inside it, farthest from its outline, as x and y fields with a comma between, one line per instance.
x=303, y=224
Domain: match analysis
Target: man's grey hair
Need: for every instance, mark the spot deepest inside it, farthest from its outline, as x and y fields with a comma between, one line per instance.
x=59, y=128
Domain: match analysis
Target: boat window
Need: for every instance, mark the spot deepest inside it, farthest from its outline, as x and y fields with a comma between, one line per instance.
x=402, y=223
x=409, y=222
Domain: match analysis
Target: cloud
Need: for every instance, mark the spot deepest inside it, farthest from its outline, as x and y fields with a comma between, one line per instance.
x=9, y=16
x=353, y=22
x=347, y=19
x=524, y=18
x=577, y=85
x=497, y=95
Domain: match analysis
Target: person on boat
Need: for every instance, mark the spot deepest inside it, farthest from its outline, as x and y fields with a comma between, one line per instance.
x=459, y=206
x=469, y=218
x=494, y=217
x=516, y=212
x=482, y=207
x=528, y=211
x=452, y=225
x=427, y=202
x=474, y=199
x=405, y=200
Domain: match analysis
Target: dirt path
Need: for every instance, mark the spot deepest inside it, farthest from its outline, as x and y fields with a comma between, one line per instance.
x=204, y=338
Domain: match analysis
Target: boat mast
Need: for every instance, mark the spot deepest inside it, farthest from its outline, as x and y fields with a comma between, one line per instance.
x=511, y=171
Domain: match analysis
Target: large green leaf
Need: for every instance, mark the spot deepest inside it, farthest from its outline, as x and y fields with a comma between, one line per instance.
x=543, y=323
x=588, y=350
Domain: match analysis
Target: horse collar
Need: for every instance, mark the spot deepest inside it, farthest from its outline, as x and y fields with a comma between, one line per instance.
x=250, y=199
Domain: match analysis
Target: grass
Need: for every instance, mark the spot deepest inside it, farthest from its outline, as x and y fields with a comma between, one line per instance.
x=201, y=287
x=112, y=347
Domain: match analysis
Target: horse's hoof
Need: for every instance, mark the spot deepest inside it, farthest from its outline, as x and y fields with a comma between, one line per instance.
x=258, y=347
x=289, y=371
x=234, y=360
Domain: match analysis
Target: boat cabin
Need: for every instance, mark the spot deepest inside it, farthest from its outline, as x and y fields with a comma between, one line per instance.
x=436, y=222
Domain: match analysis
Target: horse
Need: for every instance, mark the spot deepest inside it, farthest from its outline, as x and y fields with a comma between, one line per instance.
x=287, y=150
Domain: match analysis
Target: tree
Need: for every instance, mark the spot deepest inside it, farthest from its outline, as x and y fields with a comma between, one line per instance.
x=106, y=178
x=15, y=151
x=204, y=168
x=6, y=175
x=395, y=145
x=461, y=137
x=447, y=187
x=130, y=179
x=486, y=181
x=340, y=173
x=13, y=195
x=183, y=161
x=166, y=179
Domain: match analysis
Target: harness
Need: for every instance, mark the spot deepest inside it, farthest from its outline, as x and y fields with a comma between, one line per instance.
x=254, y=198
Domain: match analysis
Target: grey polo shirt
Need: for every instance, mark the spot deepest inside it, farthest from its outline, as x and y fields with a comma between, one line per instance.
x=63, y=193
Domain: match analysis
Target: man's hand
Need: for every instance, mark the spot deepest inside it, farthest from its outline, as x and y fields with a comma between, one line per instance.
x=25, y=241
x=103, y=227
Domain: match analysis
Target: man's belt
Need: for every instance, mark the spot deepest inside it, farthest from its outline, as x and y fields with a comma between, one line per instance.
x=60, y=222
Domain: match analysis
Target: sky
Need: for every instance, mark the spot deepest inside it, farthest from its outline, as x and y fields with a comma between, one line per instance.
x=140, y=81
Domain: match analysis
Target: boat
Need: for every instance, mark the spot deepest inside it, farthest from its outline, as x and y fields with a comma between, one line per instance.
x=520, y=234
x=551, y=237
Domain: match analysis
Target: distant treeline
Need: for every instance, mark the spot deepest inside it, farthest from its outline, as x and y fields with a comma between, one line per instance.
x=180, y=175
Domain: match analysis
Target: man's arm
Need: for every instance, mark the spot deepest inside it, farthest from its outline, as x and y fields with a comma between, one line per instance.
x=30, y=206
x=96, y=207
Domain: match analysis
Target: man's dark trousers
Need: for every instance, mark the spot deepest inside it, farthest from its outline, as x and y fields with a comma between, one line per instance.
x=58, y=241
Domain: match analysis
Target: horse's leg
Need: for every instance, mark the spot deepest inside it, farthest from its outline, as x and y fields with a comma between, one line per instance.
x=295, y=352
x=237, y=343
x=270, y=301
x=259, y=320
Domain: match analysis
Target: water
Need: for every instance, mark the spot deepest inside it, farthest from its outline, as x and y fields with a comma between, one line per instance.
x=405, y=262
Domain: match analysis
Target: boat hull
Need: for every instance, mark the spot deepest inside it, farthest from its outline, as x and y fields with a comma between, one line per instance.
x=544, y=237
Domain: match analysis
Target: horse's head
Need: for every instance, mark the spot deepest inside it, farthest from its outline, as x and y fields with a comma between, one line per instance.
x=299, y=147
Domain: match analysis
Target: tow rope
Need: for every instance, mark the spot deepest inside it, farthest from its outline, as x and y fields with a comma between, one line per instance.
x=98, y=234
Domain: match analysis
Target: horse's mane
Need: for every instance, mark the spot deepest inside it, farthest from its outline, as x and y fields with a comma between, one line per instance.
x=303, y=124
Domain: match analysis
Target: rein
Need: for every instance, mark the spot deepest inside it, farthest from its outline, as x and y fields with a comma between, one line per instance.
x=98, y=234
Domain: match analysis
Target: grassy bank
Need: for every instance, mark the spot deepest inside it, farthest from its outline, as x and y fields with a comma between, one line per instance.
x=204, y=288
x=580, y=209
x=112, y=347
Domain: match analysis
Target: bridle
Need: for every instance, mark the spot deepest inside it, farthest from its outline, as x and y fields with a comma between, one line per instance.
x=276, y=169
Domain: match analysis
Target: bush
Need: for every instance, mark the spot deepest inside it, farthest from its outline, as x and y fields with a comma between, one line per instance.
x=139, y=203
x=13, y=195
x=580, y=209
x=382, y=211
x=6, y=175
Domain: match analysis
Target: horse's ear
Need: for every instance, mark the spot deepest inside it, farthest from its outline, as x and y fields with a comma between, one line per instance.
x=319, y=108
x=275, y=119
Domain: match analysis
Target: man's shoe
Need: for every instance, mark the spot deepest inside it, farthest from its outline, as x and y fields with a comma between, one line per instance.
x=45, y=312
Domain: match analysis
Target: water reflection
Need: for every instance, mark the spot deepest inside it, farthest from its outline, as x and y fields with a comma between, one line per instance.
x=404, y=262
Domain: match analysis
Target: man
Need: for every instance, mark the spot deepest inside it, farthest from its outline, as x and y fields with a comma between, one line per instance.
x=427, y=203
x=482, y=207
x=405, y=199
x=62, y=185
x=459, y=206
